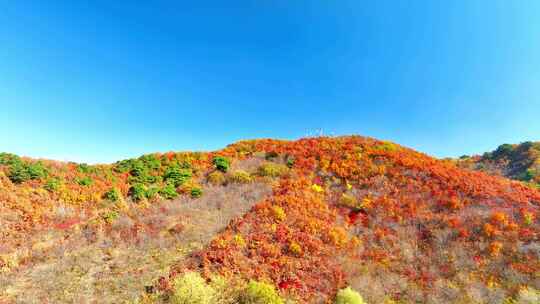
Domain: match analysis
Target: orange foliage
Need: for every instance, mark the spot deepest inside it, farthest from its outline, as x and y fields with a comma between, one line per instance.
x=300, y=237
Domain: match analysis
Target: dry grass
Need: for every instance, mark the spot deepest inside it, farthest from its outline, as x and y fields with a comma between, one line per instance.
x=99, y=263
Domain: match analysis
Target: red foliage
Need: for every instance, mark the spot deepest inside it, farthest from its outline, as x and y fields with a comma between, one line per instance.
x=398, y=190
x=67, y=224
x=405, y=186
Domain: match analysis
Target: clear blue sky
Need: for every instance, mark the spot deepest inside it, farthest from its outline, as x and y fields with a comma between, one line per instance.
x=108, y=80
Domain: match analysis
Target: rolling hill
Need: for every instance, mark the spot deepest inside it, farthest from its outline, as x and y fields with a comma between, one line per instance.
x=317, y=220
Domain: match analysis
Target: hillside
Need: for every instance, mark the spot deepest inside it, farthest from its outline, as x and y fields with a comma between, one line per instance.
x=267, y=221
x=518, y=161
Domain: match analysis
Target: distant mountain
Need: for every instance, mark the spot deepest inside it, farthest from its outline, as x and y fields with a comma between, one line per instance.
x=518, y=161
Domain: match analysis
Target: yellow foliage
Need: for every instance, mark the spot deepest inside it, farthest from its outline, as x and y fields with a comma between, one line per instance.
x=492, y=282
x=295, y=248
x=317, y=188
x=278, y=213
x=338, y=236
x=216, y=178
x=528, y=294
x=386, y=146
x=366, y=203
x=221, y=243
x=528, y=218
x=191, y=288
x=348, y=200
x=272, y=170
x=355, y=241
x=8, y=262
x=495, y=248
x=241, y=177
x=324, y=163
x=239, y=240
x=349, y=296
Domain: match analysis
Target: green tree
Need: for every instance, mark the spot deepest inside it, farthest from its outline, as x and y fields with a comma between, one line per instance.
x=176, y=176
x=221, y=163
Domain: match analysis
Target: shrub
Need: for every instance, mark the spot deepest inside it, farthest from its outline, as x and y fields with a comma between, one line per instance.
x=110, y=216
x=216, y=178
x=191, y=288
x=150, y=161
x=196, y=192
x=348, y=201
x=349, y=296
x=52, y=184
x=317, y=188
x=151, y=179
x=125, y=166
x=386, y=146
x=152, y=192
x=366, y=203
x=337, y=236
x=140, y=173
x=221, y=163
x=18, y=173
x=36, y=170
x=168, y=191
x=83, y=168
x=489, y=230
x=499, y=218
x=85, y=181
x=278, y=213
x=144, y=179
x=9, y=159
x=495, y=248
x=272, y=170
x=241, y=177
x=528, y=218
x=239, y=240
x=137, y=192
x=290, y=162
x=528, y=295
x=271, y=155
x=112, y=195
x=295, y=248
x=260, y=293
x=503, y=151
x=138, y=169
x=227, y=292
x=176, y=175
x=527, y=175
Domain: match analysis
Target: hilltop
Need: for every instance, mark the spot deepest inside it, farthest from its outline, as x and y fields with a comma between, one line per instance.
x=267, y=221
